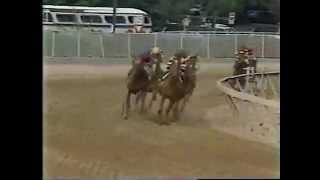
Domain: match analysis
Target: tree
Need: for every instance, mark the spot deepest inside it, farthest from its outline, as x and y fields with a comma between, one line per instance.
x=173, y=10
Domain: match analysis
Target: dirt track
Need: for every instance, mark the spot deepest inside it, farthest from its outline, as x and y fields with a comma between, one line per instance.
x=85, y=135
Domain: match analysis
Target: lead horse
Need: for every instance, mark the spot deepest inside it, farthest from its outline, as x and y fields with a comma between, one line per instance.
x=172, y=88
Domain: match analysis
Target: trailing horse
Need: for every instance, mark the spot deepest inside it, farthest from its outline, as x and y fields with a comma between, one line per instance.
x=137, y=83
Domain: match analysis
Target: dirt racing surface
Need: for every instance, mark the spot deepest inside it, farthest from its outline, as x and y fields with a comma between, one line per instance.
x=84, y=134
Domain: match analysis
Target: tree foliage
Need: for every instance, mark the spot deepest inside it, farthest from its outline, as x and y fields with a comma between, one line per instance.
x=163, y=10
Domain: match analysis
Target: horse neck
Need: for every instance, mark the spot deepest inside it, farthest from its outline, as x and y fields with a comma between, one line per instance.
x=189, y=72
x=193, y=65
x=174, y=71
x=178, y=65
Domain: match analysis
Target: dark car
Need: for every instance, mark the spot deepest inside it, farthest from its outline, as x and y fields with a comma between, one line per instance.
x=261, y=16
x=266, y=29
x=173, y=27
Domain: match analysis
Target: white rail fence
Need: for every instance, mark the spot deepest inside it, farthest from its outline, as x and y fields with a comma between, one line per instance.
x=259, y=89
x=108, y=45
x=254, y=100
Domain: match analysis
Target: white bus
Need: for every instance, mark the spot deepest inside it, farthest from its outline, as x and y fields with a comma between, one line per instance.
x=68, y=18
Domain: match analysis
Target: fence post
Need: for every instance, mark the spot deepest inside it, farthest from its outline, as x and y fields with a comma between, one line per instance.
x=262, y=46
x=208, y=47
x=155, y=40
x=235, y=43
x=129, y=46
x=101, y=44
x=78, y=44
x=181, y=41
x=214, y=39
x=53, y=43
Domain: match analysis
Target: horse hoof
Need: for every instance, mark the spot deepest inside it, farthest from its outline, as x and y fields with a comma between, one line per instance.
x=125, y=117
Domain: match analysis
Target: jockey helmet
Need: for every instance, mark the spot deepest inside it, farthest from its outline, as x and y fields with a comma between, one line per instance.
x=155, y=50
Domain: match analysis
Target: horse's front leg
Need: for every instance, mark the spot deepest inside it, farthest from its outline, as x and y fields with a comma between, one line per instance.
x=169, y=108
x=127, y=106
x=184, y=102
x=154, y=97
x=138, y=96
x=143, y=99
x=161, y=105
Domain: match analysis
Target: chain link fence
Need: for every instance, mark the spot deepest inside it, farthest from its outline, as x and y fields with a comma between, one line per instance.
x=108, y=45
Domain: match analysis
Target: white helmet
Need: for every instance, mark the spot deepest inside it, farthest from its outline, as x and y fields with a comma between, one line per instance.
x=155, y=50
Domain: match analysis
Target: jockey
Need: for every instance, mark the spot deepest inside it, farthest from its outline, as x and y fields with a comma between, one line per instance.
x=241, y=54
x=181, y=54
x=147, y=59
x=241, y=62
x=252, y=60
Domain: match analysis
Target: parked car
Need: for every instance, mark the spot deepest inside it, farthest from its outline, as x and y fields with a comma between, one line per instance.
x=222, y=27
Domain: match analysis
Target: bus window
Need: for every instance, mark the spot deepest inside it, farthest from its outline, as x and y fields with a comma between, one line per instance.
x=108, y=19
x=66, y=17
x=47, y=17
x=146, y=20
x=91, y=19
x=130, y=18
x=119, y=19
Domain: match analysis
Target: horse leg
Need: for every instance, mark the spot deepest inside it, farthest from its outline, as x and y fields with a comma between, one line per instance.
x=143, y=99
x=154, y=97
x=137, y=98
x=161, y=105
x=176, y=110
x=169, y=108
x=185, y=100
x=127, y=106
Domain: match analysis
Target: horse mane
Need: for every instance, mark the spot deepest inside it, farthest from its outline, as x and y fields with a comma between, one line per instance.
x=174, y=70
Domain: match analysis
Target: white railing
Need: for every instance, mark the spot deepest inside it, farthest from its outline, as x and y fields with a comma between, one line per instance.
x=254, y=101
x=259, y=89
x=223, y=32
x=108, y=45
